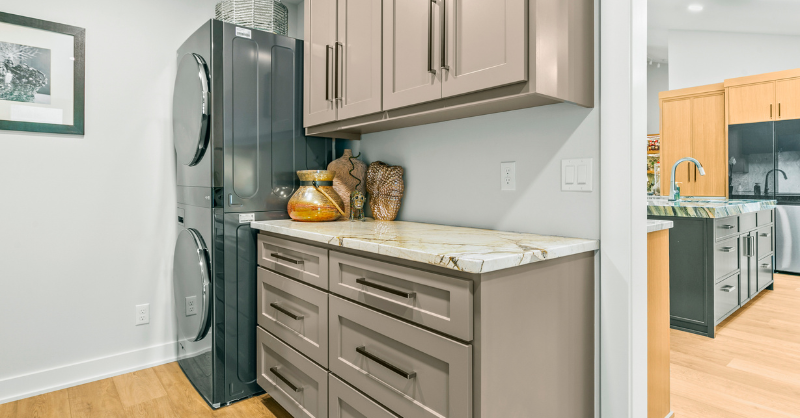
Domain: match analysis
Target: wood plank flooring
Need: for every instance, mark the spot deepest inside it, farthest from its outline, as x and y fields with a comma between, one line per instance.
x=752, y=368
x=158, y=392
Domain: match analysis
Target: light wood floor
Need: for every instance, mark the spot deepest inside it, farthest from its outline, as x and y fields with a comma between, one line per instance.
x=752, y=368
x=162, y=391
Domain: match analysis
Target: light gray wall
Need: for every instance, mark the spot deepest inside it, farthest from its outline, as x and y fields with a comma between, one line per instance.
x=657, y=81
x=88, y=225
x=697, y=58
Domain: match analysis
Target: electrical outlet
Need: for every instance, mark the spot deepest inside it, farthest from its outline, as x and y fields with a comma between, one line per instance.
x=191, y=305
x=508, y=176
x=143, y=314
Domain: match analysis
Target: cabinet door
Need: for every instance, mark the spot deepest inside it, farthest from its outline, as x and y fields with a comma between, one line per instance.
x=485, y=44
x=319, y=54
x=752, y=266
x=709, y=145
x=787, y=94
x=751, y=103
x=676, y=143
x=744, y=280
x=410, y=43
x=360, y=57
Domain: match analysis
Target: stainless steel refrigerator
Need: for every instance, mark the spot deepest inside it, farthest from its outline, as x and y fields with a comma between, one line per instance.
x=239, y=139
x=764, y=163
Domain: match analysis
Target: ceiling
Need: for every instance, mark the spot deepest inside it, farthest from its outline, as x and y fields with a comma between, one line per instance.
x=779, y=17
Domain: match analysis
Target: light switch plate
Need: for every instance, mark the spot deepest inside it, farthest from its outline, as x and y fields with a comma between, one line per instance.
x=576, y=175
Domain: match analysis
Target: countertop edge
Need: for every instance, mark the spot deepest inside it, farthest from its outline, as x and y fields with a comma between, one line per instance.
x=654, y=225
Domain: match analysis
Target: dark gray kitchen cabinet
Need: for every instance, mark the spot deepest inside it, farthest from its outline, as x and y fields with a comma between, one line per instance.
x=717, y=266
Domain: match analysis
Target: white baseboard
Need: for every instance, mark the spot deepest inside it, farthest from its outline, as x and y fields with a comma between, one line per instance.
x=37, y=383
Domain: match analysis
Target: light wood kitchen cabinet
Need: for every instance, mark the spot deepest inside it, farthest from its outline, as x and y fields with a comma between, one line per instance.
x=693, y=125
x=485, y=45
x=751, y=103
x=319, y=62
x=787, y=94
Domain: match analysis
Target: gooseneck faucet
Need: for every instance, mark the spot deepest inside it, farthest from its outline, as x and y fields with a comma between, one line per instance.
x=766, y=180
x=673, y=191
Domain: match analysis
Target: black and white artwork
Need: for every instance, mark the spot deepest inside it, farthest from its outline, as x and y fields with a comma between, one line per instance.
x=24, y=73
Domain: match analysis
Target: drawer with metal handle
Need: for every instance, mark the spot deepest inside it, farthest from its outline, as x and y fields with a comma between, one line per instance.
x=725, y=227
x=726, y=257
x=765, y=272
x=346, y=402
x=436, y=301
x=299, y=261
x=295, y=382
x=726, y=297
x=295, y=313
x=409, y=370
x=765, y=242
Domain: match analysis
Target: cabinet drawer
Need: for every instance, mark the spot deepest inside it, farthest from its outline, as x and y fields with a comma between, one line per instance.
x=765, y=246
x=764, y=217
x=295, y=382
x=747, y=221
x=764, y=272
x=725, y=227
x=726, y=257
x=295, y=313
x=726, y=297
x=346, y=402
x=411, y=371
x=299, y=261
x=439, y=302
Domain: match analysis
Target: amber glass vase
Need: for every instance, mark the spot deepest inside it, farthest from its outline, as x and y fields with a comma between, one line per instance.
x=310, y=203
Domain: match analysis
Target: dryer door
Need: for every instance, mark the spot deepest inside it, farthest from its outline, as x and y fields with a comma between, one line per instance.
x=190, y=109
x=192, y=286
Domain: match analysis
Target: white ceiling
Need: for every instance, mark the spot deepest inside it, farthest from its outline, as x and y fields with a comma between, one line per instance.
x=780, y=17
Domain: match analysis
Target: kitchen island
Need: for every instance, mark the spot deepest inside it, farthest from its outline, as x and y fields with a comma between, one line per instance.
x=410, y=319
x=721, y=256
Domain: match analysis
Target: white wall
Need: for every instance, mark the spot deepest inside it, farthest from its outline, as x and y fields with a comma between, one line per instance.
x=697, y=58
x=88, y=222
x=657, y=81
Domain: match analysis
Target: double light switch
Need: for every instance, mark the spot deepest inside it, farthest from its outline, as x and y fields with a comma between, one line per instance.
x=576, y=175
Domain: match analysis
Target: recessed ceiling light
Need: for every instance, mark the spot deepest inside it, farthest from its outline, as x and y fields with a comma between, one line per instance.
x=695, y=7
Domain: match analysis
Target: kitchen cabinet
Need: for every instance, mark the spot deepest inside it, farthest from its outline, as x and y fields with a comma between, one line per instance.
x=342, y=67
x=787, y=94
x=693, y=125
x=751, y=103
x=451, y=59
x=658, y=398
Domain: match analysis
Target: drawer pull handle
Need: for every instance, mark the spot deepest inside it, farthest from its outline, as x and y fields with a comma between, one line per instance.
x=363, y=351
x=386, y=289
x=727, y=249
x=727, y=226
x=765, y=266
x=764, y=234
x=296, y=389
x=728, y=288
x=287, y=259
x=288, y=313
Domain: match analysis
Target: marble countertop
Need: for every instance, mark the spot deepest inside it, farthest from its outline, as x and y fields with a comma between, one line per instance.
x=654, y=225
x=463, y=249
x=706, y=208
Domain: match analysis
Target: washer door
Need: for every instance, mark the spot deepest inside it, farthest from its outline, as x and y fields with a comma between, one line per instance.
x=190, y=109
x=192, y=286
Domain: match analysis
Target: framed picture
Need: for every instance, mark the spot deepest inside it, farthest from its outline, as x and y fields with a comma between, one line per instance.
x=42, y=70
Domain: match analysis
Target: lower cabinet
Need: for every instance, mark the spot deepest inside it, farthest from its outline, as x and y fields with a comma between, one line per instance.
x=346, y=402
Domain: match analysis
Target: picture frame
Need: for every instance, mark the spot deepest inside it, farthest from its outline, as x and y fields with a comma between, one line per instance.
x=42, y=76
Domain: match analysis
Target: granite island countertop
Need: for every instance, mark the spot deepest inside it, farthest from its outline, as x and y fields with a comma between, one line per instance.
x=464, y=249
x=706, y=208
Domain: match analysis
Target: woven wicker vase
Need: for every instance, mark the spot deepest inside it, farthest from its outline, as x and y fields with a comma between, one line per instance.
x=309, y=205
x=344, y=183
x=386, y=188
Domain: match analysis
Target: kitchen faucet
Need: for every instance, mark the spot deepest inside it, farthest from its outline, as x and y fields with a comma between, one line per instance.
x=766, y=180
x=673, y=191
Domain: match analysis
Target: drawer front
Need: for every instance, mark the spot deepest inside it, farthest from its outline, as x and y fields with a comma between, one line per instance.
x=725, y=227
x=299, y=261
x=411, y=371
x=726, y=296
x=439, y=302
x=747, y=221
x=764, y=272
x=764, y=217
x=346, y=402
x=726, y=257
x=765, y=246
x=295, y=313
x=295, y=382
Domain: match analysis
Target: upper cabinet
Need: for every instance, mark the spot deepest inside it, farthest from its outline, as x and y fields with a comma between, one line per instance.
x=787, y=94
x=764, y=97
x=397, y=63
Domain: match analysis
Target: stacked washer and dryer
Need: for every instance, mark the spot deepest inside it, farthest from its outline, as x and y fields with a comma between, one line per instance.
x=239, y=139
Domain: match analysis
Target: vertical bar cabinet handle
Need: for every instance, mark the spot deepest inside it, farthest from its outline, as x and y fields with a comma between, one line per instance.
x=328, y=73
x=444, y=36
x=339, y=70
x=430, y=37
